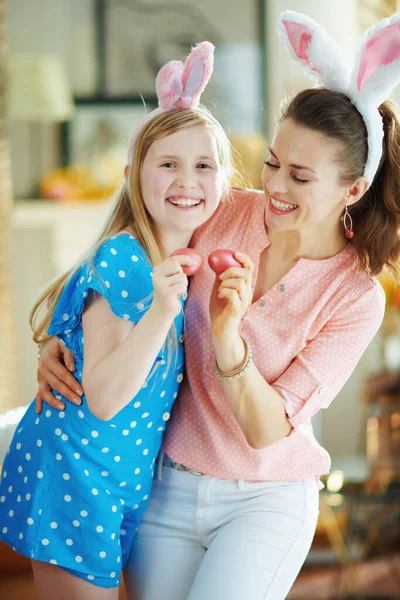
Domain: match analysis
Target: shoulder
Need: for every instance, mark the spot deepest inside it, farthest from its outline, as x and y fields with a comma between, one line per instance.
x=365, y=298
x=121, y=246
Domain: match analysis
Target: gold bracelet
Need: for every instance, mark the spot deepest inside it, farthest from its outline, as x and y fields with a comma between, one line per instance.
x=240, y=370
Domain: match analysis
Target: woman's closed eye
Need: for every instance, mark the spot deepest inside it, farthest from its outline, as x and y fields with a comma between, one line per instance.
x=295, y=178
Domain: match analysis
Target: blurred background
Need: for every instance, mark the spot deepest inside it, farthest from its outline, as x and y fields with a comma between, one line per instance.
x=76, y=76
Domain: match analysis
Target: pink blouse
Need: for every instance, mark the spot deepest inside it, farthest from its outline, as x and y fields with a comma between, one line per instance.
x=307, y=335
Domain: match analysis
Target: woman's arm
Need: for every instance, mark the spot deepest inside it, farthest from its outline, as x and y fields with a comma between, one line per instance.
x=265, y=412
x=56, y=364
x=257, y=407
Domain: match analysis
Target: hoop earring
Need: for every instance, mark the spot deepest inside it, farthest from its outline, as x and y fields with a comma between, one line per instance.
x=348, y=224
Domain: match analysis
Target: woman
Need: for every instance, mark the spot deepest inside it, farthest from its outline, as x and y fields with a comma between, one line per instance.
x=233, y=512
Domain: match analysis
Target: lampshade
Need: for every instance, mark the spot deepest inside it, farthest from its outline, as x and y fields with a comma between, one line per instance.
x=38, y=89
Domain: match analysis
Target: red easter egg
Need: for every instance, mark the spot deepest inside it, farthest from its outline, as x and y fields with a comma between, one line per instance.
x=220, y=260
x=192, y=254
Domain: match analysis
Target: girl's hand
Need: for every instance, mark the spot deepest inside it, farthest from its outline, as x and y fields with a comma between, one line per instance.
x=231, y=296
x=54, y=371
x=170, y=282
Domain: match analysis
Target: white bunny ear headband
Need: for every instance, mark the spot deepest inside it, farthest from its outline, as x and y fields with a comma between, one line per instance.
x=376, y=71
x=179, y=85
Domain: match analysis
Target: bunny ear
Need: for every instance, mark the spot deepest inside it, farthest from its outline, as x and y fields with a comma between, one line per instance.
x=316, y=51
x=197, y=71
x=377, y=68
x=169, y=84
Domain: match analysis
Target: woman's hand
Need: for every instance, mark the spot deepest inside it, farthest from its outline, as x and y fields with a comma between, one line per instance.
x=231, y=296
x=54, y=371
x=170, y=282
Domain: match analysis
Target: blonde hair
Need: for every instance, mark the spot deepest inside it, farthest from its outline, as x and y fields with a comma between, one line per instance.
x=129, y=212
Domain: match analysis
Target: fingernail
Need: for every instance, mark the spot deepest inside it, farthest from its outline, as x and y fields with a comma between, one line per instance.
x=60, y=406
x=77, y=401
x=79, y=392
x=72, y=367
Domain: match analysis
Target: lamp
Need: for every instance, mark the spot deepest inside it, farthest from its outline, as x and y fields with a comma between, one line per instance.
x=38, y=93
x=38, y=89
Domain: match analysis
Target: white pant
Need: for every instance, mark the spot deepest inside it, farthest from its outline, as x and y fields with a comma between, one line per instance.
x=204, y=538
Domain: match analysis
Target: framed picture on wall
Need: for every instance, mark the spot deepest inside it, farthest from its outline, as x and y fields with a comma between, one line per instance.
x=102, y=128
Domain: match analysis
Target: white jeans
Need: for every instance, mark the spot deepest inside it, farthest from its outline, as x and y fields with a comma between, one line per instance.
x=204, y=538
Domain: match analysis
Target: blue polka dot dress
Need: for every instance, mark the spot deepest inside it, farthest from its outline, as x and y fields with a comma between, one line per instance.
x=74, y=487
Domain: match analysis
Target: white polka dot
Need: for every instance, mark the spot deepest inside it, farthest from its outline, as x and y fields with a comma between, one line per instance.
x=20, y=469
x=133, y=424
x=57, y=432
x=19, y=498
x=85, y=441
x=138, y=487
x=64, y=437
x=114, y=508
x=54, y=525
x=81, y=414
x=48, y=413
x=90, y=577
x=117, y=458
x=30, y=521
x=69, y=542
x=53, y=561
x=166, y=416
x=107, y=284
x=105, y=450
x=65, y=317
x=149, y=424
x=28, y=496
x=113, y=251
x=99, y=529
x=145, y=415
x=179, y=378
x=137, y=471
x=136, y=405
x=78, y=559
x=76, y=523
x=126, y=317
x=134, y=258
x=121, y=274
x=82, y=279
x=58, y=456
x=95, y=433
x=4, y=530
x=122, y=484
x=11, y=513
x=84, y=513
x=112, y=574
x=37, y=421
x=140, y=305
x=10, y=489
x=95, y=492
x=61, y=414
x=124, y=294
x=86, y=472
x=39, y=474
x=21, y=536
x=103, y=264
x=104, y=473
x=18, y=446
x=125, y=432
x=67, y=498
x=66, y=477
x=102, y=554
x=145, y=452
x=77, y=455
x=145, y=497
x=45, y=542
x=138, y=442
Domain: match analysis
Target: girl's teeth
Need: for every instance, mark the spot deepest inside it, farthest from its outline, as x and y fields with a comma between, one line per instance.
x=185, y=202
x=282, y=205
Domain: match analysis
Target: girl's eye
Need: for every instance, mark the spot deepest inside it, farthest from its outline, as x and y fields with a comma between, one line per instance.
x=298, y=180
x=269, y=164
x=203, y=166
x=168, y=165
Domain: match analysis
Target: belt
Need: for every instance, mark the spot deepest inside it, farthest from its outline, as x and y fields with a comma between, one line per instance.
x=168, y=462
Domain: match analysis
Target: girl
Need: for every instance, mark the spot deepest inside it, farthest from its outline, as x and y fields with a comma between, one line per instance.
x=75, y=483
x=234, y=510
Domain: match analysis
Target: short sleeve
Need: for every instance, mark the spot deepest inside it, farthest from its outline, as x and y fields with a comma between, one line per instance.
x=320, y=370
x=120, y=271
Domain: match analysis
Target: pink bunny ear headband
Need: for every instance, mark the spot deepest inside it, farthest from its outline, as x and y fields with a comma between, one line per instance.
x=376, y=71
x=179, y=85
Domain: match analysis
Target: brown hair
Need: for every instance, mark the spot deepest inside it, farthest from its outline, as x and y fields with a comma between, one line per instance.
x=376, y=216
x=129, y=211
